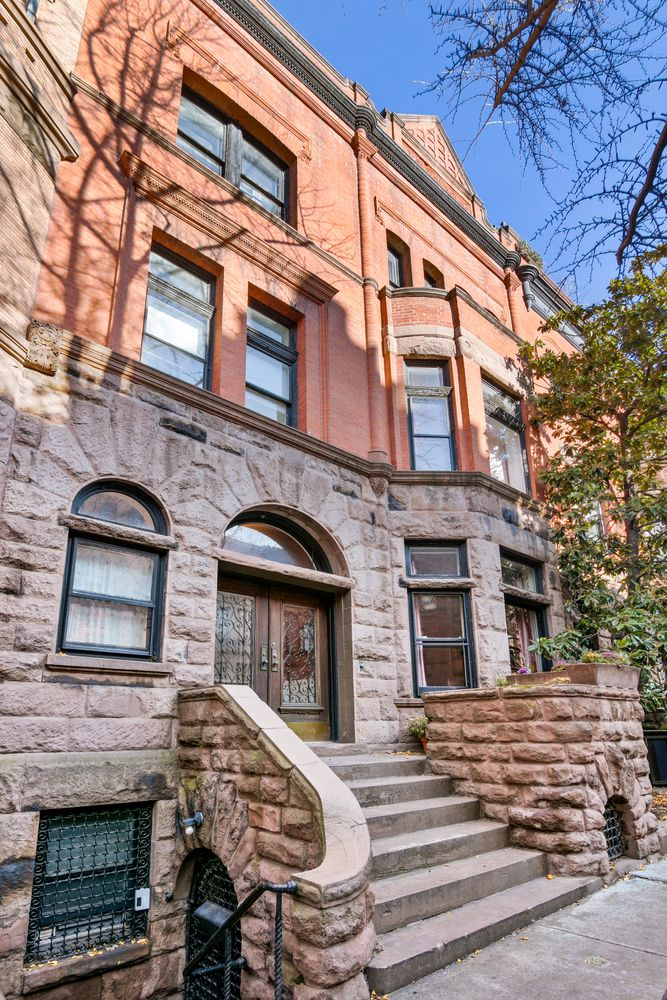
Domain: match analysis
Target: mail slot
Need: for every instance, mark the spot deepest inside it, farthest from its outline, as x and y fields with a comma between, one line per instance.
x=211, y=916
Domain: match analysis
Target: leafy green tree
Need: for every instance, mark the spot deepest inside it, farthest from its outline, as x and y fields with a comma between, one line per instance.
x=606, y=486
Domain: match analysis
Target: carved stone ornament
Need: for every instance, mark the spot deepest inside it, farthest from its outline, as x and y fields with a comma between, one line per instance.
x=43, y=347
x=379, y=485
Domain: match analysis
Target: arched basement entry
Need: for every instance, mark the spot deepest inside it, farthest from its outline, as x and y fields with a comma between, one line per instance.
x=278, y=621
x=211, y=883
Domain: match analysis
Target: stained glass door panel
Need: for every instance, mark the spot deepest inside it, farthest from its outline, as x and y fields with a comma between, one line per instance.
x=299, y=655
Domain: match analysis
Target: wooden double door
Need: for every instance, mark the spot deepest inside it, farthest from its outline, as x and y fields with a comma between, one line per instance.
x=276, y=639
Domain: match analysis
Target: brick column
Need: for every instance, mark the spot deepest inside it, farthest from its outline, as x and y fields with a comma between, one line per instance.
x=377, y=397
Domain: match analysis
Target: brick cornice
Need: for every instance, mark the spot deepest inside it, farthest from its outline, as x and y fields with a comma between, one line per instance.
x=198, y=212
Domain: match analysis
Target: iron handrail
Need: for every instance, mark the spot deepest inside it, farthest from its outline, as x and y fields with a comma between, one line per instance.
x=223, y=934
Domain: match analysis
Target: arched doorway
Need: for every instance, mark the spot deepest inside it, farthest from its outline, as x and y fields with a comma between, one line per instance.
x=210, y=884
x=273, y=629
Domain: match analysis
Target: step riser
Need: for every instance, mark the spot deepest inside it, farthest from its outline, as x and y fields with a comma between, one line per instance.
x=404, y=972
x=422, y=855
x=413, y=791
x=404, y=910
x=426, y=819
x=382, y=769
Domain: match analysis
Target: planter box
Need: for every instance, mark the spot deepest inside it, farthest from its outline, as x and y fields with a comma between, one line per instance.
x=656, y=741
x=597, y=674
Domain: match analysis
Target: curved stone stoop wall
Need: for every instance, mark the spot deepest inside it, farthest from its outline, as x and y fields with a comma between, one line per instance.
x=274, y=811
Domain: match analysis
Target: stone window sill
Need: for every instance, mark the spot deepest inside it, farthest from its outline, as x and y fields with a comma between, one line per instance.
x=436, y=583
x=80, y=966
x=106, y=665
x=524, y=595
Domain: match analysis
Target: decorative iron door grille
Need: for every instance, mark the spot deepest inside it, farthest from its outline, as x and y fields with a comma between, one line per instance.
x=211, y=883
x=89, y=863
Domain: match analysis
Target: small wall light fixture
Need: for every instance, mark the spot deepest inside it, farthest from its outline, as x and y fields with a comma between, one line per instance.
x=192, y=823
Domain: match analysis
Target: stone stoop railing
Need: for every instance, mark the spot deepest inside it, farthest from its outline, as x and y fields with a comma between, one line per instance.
x=274, y=811
x=548, y=759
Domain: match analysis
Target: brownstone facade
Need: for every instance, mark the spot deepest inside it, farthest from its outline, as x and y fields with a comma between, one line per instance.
x=321, y=264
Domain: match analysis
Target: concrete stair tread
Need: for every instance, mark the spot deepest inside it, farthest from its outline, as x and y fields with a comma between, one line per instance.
x=436, y=835
x=425, y=945
x=394, y=779
x=417, y=805
x=379, y=757
x=447, y=874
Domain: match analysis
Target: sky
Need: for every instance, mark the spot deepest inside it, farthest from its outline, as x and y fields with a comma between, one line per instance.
x=388, y=46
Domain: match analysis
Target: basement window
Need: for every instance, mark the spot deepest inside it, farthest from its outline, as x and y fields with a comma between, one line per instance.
x=89, y=865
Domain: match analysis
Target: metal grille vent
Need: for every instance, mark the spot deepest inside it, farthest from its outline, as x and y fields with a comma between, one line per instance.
x=89, y=863
x=211, y=883
x=613, y=832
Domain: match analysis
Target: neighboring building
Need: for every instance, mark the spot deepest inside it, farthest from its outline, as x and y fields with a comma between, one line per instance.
x=261, y=423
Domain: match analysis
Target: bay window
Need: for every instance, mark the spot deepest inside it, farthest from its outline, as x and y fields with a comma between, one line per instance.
x=505, y=437
x=524, y=611
x=440, y=615
x=430, y=417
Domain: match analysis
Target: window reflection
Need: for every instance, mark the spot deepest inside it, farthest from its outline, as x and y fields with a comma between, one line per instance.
x=264, y=541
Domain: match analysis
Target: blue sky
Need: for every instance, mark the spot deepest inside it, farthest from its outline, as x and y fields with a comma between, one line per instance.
x=388, y=46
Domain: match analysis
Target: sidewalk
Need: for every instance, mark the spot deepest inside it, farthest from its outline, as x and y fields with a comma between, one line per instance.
x=611, y=946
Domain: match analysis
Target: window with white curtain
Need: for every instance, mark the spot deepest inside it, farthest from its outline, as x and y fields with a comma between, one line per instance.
x=112, y=595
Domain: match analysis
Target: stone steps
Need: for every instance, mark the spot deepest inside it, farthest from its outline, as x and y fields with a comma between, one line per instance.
x=402, y=817
x=409, y=896
x=445, y=880
x=410, y=952
x=404, y=789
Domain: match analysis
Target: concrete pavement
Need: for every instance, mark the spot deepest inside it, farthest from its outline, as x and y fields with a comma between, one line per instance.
x=611, y=946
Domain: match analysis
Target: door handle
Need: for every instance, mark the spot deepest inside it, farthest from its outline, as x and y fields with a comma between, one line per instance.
x=274, y=658
x=263, y=659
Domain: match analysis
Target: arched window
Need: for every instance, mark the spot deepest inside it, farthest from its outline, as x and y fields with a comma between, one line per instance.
x=113, y=586
x=271, y=537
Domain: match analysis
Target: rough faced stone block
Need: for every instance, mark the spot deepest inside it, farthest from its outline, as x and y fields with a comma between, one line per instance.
x=337, y=964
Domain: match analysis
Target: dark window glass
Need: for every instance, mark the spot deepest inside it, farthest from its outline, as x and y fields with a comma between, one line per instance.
x=177, y=325
x=429, y=412
x=221, y=145
x=432, y=276
x=523, y=575
x=112, y=590
x=270, y=366
x=88, y=866
x=525, y=625
x=440, y=634
x=504, y=434
x=435, y=560
x=396, y=266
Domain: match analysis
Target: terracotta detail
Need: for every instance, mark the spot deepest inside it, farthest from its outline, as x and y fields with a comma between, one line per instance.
x=43, y=347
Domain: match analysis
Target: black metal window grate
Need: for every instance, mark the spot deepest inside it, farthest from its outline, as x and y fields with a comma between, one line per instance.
x=89, y=863
x=613, y=832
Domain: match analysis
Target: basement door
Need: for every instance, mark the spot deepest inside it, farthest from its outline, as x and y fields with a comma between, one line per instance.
x=277, y=640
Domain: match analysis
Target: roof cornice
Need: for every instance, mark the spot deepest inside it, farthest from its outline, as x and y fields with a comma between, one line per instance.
x=356, y=116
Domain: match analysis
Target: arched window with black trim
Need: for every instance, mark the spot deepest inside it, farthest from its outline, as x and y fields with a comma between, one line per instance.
x=112, y=595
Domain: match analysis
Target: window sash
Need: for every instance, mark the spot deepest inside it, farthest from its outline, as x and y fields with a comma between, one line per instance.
x=395, y=267
x=265, y=344
x=421, y=642
x=242, y=160
x=74, y=598
x=433, y=548
x=511, y=566
x=534, y=627
x=158, y=350
x=416, y=437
